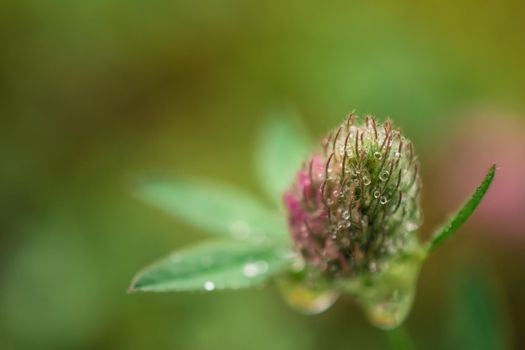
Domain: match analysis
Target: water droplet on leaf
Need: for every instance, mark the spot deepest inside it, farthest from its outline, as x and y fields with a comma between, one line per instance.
x=209, y=286
x=254, y=268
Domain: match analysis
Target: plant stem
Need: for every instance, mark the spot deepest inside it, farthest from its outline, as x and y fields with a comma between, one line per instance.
x=399, y=339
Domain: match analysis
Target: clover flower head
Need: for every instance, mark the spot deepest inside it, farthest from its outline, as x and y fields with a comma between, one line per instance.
x=355, y=203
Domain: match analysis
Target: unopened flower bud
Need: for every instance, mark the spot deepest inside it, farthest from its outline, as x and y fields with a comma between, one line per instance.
x=355, y=203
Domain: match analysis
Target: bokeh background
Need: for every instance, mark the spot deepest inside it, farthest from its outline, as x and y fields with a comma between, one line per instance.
x=96, y=93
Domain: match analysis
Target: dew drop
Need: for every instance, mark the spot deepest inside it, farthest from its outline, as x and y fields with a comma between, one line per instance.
x=308, y=300
x=345, y=215
x=384, y=175
x=377, y=194
x=383, y=200
x=341, y=150
x=366, y=180
x=397, y=154
x=253, y=269
x=378, y=155
x=209, y=286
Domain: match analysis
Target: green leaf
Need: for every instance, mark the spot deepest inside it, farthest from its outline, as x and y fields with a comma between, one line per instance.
x=217, y=208
x=464, y=213
x=282, y=147
x=476, y=315
x=213, y=266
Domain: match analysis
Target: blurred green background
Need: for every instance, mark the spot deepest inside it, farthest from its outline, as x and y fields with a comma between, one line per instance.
x=94, y=94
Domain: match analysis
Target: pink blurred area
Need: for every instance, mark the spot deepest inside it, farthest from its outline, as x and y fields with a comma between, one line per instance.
x=479, y=139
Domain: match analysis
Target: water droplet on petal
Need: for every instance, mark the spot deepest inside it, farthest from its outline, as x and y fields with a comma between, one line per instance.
x=345, y=215
x=377, y=194
x=366, y=180
x=384, y=175
x=383, y=200
x=209, y=286
x=378, y=155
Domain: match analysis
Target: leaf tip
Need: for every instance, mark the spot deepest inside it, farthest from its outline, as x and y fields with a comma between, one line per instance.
x=135, y=286
x=465, y=212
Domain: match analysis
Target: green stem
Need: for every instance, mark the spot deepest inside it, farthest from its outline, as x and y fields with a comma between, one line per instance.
x=399, y=339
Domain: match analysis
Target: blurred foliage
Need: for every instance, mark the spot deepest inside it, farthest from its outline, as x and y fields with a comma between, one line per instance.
x=477, y=317
x=95, y=93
